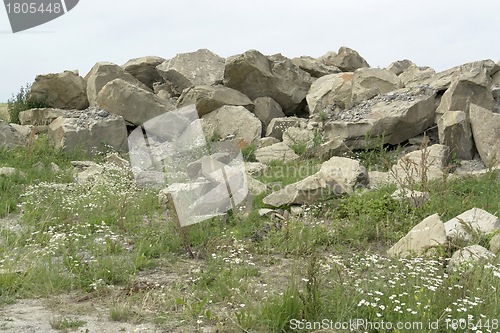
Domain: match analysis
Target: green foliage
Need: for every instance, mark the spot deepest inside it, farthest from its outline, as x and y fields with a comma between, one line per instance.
x=24, y=101
x=249, y=153
x=65, y=323
x=323, y=115
x=375, y=155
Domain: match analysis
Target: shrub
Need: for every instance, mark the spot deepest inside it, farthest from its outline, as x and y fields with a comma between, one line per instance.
x=22, y=102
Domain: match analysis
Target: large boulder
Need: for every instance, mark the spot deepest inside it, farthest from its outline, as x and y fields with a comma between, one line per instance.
x=297, y=135
x=144, y=69
x=266, y=109
x=88, y=130
x=9, y=137
x=415, y=75
x=336, y=176
x=327, y=150
x=134, y=104
x=479, y=72
x=256, y=75
x=486, y=131
x=369, y=82
x=209, y=98
x=278, y=151
x=461, y=94
x=41, y=117
x=104, y=72
x=233, y=120
x=330, y=89
x=476, y=219
x=399, y=115
x=315, y=67
x=428, y=233
x=455, y=132
x=468, y=256
x=398, y=67
x=199, y=68
x=66, y=90
x=277, y=126
x=432, y=160
x=348, y=60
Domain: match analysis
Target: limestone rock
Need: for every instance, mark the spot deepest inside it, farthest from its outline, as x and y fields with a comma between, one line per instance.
x=379, y=179
x=118, y=161
x=400, y=115
x=486, y=131
x=25, y=130
x=10, y=172
x=65, y=90
x=347, y=172
x=144, y=69
x=199, y=68
x=41, y=117
x=461, y=94
x=297, y=135
x=369, y=82
x=411, y=164
x=415, y=75
x=495, y=244
x=267, y=141
x=104, y=72
x=348, y=60
x=256, y=75
x=330, y=89
x=415, y=198
x=468, y=256
x=327, y=150
x=255, y=168
x=430, y=232
x=479, y=220
x=9, y=137
x=455, y=132
x=256, y=187
x=266, y=109
x=315, y=67
x=478, y=72
x=277, y=151
x=134, y=104
x=86, y=130
x=277, y=126
x=234, y=120
x=398, y=67
x=209, y=98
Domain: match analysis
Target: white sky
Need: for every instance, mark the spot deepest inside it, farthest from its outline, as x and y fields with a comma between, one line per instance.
x=438, y=33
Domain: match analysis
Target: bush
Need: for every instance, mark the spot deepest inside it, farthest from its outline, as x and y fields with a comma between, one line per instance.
x=22, y=102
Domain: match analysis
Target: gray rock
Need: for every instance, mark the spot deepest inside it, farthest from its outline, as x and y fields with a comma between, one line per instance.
x=65, y=90
x=277, y=126
x=428, y=233
x=455, y=132
x=277, y=151
x=104, y=72
x=199, y=68
x=9, y=137
x=277, y=77
x=486, y=131
x=266, y=109
x=315, y=67
x=267, y=141
x=209, y=98
x=398, y=67
x=233, y=120
x=134, y=104
x=369, y=82
x=85, y=130
x=348, y=60
x=327, y=150
x=144, y=69
x=330, y=89
x=478, y=219
x=415, y=75
x=464, y=258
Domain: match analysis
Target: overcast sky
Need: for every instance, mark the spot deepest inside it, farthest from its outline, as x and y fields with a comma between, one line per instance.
x=438, y=33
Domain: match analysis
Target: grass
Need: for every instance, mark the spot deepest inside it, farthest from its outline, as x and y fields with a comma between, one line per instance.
x=109, y=241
